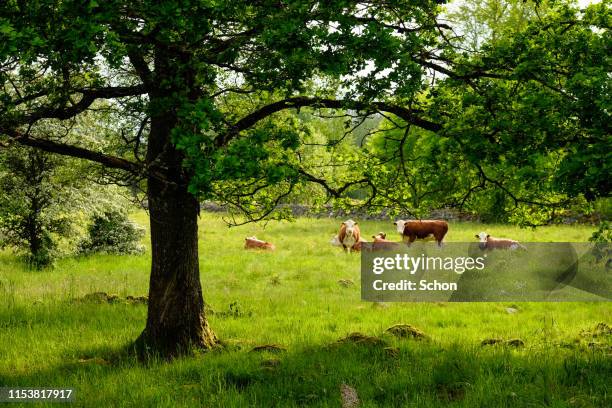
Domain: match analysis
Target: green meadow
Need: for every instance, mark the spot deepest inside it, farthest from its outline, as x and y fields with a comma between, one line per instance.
x=291, y=300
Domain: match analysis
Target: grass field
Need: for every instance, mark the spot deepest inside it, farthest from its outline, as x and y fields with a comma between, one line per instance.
x=292, y=298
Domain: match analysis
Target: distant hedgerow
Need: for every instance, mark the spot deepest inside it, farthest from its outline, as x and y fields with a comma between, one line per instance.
x=112, y=232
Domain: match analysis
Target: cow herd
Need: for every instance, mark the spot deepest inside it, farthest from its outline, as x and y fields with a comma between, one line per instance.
x=350, y=239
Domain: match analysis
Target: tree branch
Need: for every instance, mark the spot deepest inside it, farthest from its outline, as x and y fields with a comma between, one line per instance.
x=89, y=97
x=454, y=75
x=73, y=151
x=336, y=193
x=300, y=101
x=401, y=29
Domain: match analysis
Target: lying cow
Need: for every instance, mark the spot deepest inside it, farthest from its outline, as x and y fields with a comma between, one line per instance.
x=489, y=242
x=349, y=236
x=381, y=243
x=422, y=229
x=254, y=243
x=380, y=237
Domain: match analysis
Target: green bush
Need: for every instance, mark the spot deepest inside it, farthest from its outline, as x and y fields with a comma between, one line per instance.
x=603, y=233
x=112, y=232
x=603, y=207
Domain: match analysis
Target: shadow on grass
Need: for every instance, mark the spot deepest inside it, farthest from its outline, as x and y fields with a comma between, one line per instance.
x=389, y=373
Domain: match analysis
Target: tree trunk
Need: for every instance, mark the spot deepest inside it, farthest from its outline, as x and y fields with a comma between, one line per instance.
x=176, y=318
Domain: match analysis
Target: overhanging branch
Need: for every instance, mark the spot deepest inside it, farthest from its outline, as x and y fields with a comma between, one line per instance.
x=89, y=96
x=74, y=151
x=297, y=102
x=334, y=192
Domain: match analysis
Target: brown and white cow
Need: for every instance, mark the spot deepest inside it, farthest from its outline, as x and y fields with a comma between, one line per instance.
x=349, y=236
x=335, y=241
x=380, y=237
x=489, y=242
x=421, y=229
x=381, y=243
x=254, y=243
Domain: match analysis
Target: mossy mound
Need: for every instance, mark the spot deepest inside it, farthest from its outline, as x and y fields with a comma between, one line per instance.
x=502, y=342
x=600, y=330
x=360, y=338
x=100, y=297
x=345, y=283
x=271, y=348
x=392, y=351
x=103, y=297
x=406, y=330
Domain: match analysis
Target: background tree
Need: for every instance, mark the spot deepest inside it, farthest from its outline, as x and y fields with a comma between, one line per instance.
x=44, y=198
x=480, y=22
x=202, y=90
x=32, y=208
x=540, y=104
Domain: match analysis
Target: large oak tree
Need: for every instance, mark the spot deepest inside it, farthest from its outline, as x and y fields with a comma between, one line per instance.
x=201, y=89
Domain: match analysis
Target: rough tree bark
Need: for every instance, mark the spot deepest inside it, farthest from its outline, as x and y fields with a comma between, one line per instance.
x=176, y=318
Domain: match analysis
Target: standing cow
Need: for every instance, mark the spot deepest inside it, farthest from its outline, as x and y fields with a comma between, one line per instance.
x=421, y=229
x=350, y=236
x=489, y=242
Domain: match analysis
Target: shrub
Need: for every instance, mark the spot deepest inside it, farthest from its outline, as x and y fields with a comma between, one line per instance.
x=112, y=232
x=603, y=233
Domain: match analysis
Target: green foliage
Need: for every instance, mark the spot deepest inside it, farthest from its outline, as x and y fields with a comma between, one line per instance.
x=603, y=207
x=603, y=233
x=521, y=100
x=43, y=200
x=32, y=207
x=487, y=21
x=112, y=232
x=415, y=170
x=494, y=206
x=534, y=120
